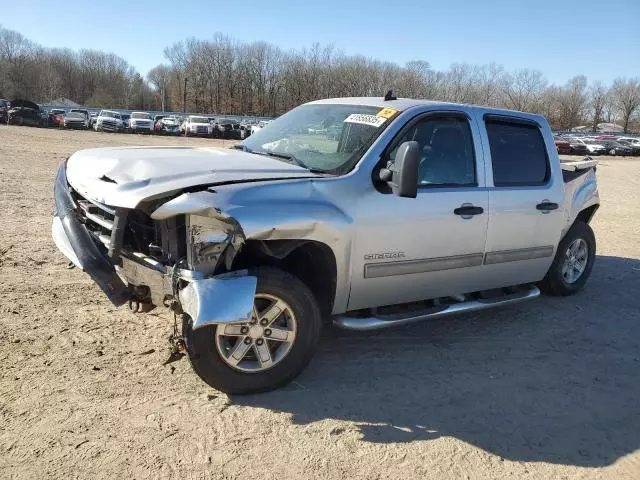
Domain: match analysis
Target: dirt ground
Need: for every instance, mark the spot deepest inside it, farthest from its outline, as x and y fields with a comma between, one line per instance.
x=544, y=390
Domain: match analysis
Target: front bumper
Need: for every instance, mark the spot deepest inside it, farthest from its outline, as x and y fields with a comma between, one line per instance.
x=73, y=239
x=226, y=298
x=141, y=128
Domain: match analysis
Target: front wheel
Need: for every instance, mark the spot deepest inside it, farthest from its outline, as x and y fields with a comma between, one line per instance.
x=269, y=350
x=573, y=262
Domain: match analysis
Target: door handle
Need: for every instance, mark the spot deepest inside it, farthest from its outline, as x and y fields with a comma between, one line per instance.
x=547, y=206
x=468, y=210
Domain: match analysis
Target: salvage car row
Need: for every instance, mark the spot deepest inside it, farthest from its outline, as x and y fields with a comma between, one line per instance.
x=24, y=112
x=605, y=144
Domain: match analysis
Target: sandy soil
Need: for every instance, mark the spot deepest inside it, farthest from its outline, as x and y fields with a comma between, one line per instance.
x=548, y=389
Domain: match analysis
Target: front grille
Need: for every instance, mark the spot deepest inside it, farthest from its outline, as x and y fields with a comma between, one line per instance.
x=202, y=129
x=97, y=218
x=109, y=124
x=138, y=233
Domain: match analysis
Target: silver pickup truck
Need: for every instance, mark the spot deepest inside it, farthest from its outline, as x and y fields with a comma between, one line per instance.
x=362, y=212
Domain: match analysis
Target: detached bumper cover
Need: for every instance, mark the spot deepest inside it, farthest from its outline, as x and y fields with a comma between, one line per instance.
x=75, y=242
x=222, y=299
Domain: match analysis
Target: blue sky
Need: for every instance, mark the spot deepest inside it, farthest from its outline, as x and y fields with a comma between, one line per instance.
x=561, y=38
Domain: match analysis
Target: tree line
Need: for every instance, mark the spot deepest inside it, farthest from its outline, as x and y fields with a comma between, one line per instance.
x=222, y=75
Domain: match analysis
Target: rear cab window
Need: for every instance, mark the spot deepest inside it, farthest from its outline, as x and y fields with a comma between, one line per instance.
x=518, y=153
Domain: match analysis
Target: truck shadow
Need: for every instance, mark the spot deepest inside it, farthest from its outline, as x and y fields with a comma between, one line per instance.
x=554, y=380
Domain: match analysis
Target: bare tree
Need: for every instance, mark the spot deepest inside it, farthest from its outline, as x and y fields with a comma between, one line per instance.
x=625, y=95
x=599, y=95
x=160, y=78
x=523, y=89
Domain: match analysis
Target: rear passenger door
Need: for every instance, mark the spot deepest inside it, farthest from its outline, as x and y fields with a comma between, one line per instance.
x=525, y=199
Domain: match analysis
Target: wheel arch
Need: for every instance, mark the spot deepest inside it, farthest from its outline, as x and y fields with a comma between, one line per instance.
x=313, y=262
x=585, y=215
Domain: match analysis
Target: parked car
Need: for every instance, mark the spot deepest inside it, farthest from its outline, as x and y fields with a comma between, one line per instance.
x=140, y=122
x=125, y=117
x=4, y=108
x=614, y=147
x=592, y=146
x=76, y=119
x=261, y=124
x=80, y=110
x=562, y=145
x=196, y=125
x=109, y=121
x=245, y=131
x=56, y=118
x=225, y=129
x=93, y=116
x=256, y=247
x=167, y=125
x=577, y=148
x=634, y=145
x=24, y=112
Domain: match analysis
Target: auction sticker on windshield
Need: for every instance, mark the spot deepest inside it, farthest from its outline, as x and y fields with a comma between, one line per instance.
x=364, y=119
x=387, y=112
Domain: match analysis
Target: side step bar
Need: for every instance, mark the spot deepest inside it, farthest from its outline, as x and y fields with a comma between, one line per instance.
x=391, y=320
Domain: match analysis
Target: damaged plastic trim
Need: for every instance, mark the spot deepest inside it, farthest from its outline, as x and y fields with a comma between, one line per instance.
x=222, y=299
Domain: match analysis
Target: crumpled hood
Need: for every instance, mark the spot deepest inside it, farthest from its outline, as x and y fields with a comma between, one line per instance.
x=124, y=177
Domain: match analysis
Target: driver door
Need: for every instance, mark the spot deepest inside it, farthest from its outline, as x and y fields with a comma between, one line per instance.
x=411, y=249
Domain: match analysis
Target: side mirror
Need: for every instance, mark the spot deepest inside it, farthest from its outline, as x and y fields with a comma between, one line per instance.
x=402, y=175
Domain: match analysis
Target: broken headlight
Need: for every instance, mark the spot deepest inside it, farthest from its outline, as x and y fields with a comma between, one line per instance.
x=211, y=242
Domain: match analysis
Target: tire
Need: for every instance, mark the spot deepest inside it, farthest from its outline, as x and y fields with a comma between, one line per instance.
x=213, y=369
x=555, y=282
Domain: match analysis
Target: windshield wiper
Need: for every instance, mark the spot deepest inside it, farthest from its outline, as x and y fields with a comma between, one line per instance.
x=286, y=156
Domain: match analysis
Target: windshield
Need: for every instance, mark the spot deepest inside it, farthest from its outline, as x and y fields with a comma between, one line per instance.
x=325, y=137
x=199, y=120
x=106, y=113
x=140, y=116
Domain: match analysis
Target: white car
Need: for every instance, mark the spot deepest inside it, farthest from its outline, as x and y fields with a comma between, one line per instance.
x=108, y=120
x=261, y=124
x=196, y=125
x=591, y=144
x=630, y=140
x=141, y=122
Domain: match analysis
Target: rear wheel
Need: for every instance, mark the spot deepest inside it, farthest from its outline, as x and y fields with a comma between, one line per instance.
x=573, y=262
x=269, y=350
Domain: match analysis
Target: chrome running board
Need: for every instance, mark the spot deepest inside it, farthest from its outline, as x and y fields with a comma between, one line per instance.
x=394, y=319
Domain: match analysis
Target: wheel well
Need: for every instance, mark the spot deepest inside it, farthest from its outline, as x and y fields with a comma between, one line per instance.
x=312, y=262
x=587, y=214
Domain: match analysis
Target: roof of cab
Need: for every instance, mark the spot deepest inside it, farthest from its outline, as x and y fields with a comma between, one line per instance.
x=398, y=104
x=403, y=104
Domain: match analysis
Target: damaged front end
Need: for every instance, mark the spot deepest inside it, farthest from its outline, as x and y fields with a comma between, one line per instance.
x=173, y=255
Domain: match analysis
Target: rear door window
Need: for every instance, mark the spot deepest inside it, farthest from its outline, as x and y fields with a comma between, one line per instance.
x=518, y=154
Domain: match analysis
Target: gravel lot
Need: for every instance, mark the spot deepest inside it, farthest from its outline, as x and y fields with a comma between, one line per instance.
x=548, y=389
